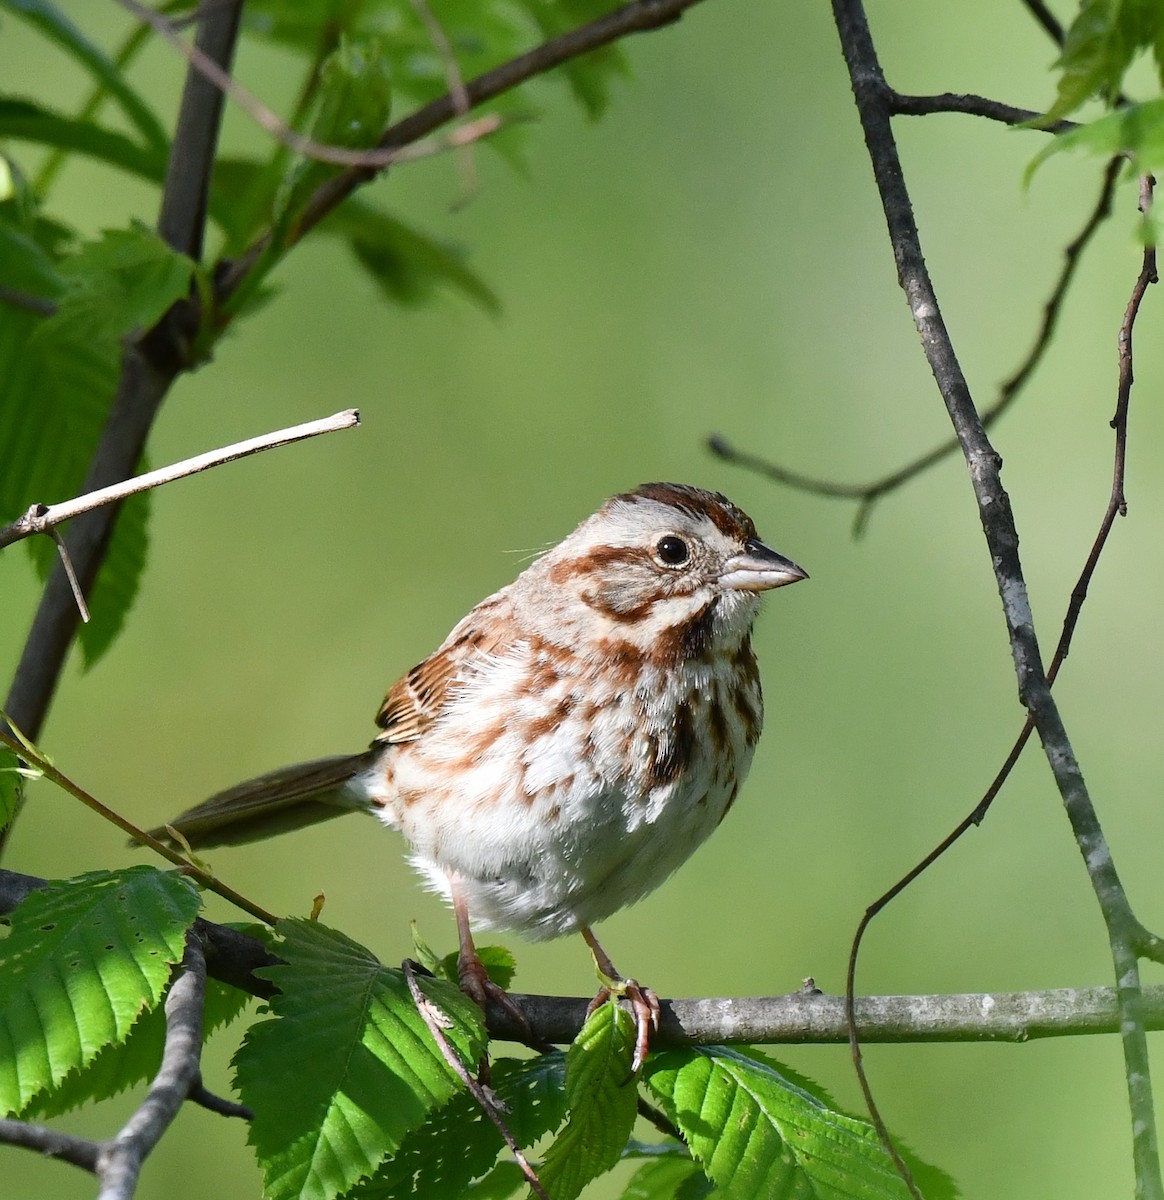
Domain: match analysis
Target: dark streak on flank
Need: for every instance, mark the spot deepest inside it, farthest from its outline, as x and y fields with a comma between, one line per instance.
x=670, y=761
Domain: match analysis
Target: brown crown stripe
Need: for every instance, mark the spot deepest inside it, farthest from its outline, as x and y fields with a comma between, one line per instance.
x=718, y=509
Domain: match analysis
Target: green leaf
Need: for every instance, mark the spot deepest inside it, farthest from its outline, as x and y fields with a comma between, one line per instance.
x=505, y=1179
x=603, y=1102
x=355, y=98
x=55, y=25
x=1137, y=130
x=29, y=122
x=458, y=1143
x=11, y=786
x=669, y=1178
x=588, y=76
x=406, y=265
x=125, y=280
x=498, y=962
x=1100, y=46
x=760, y=1130
x=118, y=1067
x=346, y=1068
x=85, y=958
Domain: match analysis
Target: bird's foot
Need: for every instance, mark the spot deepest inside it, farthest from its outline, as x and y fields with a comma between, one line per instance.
x=644, y=1005
x=476, y=984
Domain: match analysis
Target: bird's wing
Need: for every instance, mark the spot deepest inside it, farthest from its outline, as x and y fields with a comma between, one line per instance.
x=419, y=697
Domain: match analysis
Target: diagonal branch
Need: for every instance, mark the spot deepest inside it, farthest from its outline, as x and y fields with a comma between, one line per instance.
x=868, y=494
x=983, y=463
x=636, y=17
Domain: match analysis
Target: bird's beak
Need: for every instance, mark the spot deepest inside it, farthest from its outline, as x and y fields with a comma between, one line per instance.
x=758, y=569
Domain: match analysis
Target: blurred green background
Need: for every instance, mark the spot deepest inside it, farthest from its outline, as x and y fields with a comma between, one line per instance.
x=710, y=257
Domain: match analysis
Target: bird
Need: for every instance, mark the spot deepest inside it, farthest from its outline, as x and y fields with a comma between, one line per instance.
x=573, y=740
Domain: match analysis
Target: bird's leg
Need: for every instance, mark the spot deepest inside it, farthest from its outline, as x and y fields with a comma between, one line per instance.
x=471, y=973
x=643, y=1001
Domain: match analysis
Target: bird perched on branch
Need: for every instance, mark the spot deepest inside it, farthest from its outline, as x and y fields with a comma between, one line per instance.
x=574, y=738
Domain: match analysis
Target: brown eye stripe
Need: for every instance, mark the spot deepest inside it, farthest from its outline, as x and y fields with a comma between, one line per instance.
x=722, y=513
x=596, y=561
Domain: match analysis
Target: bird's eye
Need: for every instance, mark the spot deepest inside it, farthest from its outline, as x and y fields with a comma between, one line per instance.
x=672, y=550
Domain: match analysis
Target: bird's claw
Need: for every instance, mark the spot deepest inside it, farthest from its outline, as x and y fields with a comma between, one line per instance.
x=644, y=1006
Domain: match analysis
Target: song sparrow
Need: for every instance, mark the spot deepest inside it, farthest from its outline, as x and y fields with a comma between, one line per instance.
x=575, y=737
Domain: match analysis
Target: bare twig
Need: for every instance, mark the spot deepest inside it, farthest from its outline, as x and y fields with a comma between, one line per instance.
x=436, y=1023
x=973, y=106
x=70, y=573
x=121, y=1159
x=868, y=494
x=50, y=1143
x=29, y=753
x=871, y=92
x=206, y=1099
x=40, y=518
x=268, y=120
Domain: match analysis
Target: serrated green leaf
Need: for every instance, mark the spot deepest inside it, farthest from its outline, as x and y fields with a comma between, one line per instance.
x=760, y=1134
x=602, y=1100
x=406, y=265
x=118, y=1067
x=1137, y=130
x=1099, y=47
x=346, y=1068
x=30, y=122
x=458, y=1143
x=85, y=958
x=49, y=19
x=355, y=98
x=125, y=280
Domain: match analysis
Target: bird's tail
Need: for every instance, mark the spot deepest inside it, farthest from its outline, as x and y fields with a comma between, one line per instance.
x=277, y=802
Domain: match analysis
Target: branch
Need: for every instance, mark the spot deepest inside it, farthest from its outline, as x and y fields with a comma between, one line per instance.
x=149, y=367
x=121, y=1159
x=635, y=17
x=804, y=1017
x=50, y=1143
x=868, y=494
x=873, y=106
x=40, y=518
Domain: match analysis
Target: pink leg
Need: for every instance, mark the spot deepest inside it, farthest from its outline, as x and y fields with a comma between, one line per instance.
x=471, y=973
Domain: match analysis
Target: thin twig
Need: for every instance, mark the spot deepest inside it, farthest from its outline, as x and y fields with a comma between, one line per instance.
x=998, y=525
x=973, y=106
x=28, y=752
x=437, y=1022
x=50, y=1143
x=868, y=494
x=121, y=1159
x=269, y=121
x=456, y=85
x=204, y=1098
x=71, y=574
x=40, y=518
